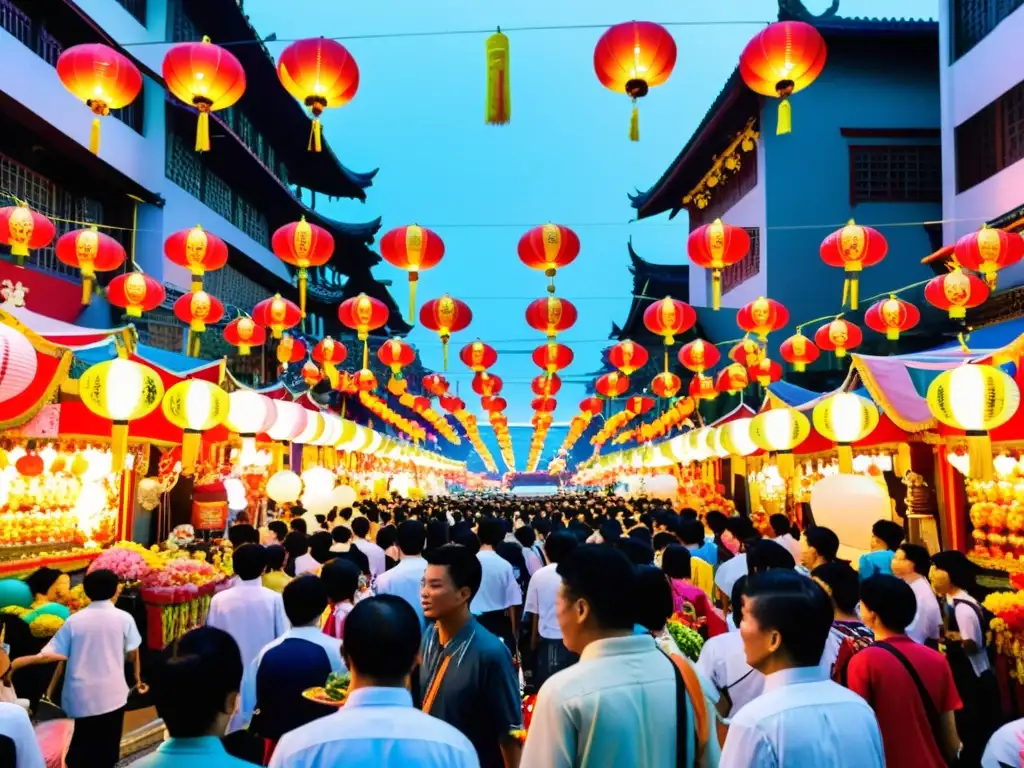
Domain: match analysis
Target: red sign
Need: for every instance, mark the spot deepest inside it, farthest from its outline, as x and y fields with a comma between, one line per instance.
x=43, y=293
x=209, y=515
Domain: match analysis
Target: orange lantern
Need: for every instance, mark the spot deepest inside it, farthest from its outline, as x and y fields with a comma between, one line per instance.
x=799, y=351
x=414, y=249
x=853, y=247
x=891, y=316
x=435, y=384
x=206, y=76
x=198, y=251
x=197, y=309
x=703, y=388
x=320, y=73
x=546, y=385
x=666, y=385
x=732, y=379
x=478, y=356
x=30, y=465
x=303, y=245
x=716, y=246
x=363, y=314
x=592, y=405
x=290, y=350
x=549, y=247
x=102, y=78
x=551, y=315
x=956, y=292
x=91, y=251
x=243, y=333
x=330, y=353
x=493, y=404
x=552, y=357
x=487, y=385
x=747, y=353
x=612, y=385
x=24, y=230
x=699, y=355
x=277, y=314
x=445, y=316
x=838, y=336
x=310, y=374
x=669, y=318
x=989, y=250
x=543, y=404
x=364, y=380
x=632, y=58
x=762, y=316
x=765, y=371
x=639, y=405
x=135, y=293
x=781, y=59
x=628, y=356
x=396, y=354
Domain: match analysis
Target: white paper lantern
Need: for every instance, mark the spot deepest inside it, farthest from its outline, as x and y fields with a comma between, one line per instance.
x=313, y=430
x=250, y=413
x=289, y=421
x=17, y=363
x=343, y=496
x=332, y=430
x=318, y=480
x=284, y=487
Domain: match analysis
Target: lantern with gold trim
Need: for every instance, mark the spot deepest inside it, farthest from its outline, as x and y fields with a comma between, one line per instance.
x=592, y=405
x=853, y=248
x=330, y=353
x=669, y=318
x=445, y=316
x=303, y=245
x=702, y=388
x=102, y=78
x=892, y=316
x=638, y=405
x=24, y=230
x=976, y=399
x=543, y=404
x=762, y=316
x=546, y=385
x=396, y=355
x=956, y=292
x=277, y=314
x=765, y=371
x=363, y=314
x=699, y=356
x=845, y=418
x=628, y=357
x=549, y=247
x=414, y=249
x=244, y=333
x=612, y=385
x=196, y=250
x=290, y=350
x=734, y=437
x=91, y=251
x=779, y=431
x=716, y=246
x=552, y=357
x=478, y=356
x=747, y=353
x=364, y=380
x=551, y=315
x=195, y=406
x=732, y=379
x=666, y=385
x=197, y=309
x=135, y=293
x=493, y=404
x=435, y=384
x=486, y=384
x=799, y=351
x=320, y=73
x=839, y=336
x=989, y=250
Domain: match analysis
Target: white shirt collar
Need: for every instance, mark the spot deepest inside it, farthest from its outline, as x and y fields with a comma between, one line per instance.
x=251, y=583
x=618, y=646
x=794, y=676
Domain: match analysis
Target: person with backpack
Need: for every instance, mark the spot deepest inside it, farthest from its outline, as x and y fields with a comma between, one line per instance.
x=909, y=685
x=965, y=626
x=848, y=634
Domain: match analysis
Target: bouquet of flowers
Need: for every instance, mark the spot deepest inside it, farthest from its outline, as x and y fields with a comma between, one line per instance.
x=687, y=639
x=129, y=565
x=1008, y=627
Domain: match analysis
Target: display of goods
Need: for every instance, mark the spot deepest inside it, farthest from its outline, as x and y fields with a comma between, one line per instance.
x=127, y=564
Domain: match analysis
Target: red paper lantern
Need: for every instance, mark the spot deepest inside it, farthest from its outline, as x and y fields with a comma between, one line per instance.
x=320, y=73
x=592, y=405
x=198, y=251
x=478, y=356
x=732, y=379
x=747, y=353
x=699, y=356
x=799, y=351
x=452, y=404
x=364, y=380
x=91, y=251
x=765, y=371
x=853, y=248
x=549, y=247
x=703, y=388
x=632, y=58
x=989, y=250
x=290, y=350
x=493, y=404
x=310, y=374
x=628, y=356
x=24, y=230
x=243, y=333
x=303, y=245
x=420, y=405
x=205, y=76
x=487, y=385
x=396, y=355
x=277, y=314
x=762, y=316
x=666, y=385
x=551, y=315
x=639, y=405
x=30, y=465
x=669, y=318
x=838, y=336
x=363, y=314
x=552, y=357
x=102, y=78
x=197, y=309
x=546, y=385
x=781, y=59
x=135, y=293
x=445, y=316
x=330, y=353
x=543, y=404
x=716, y=246
x=612, y=384
x=891, y=316
x=414, y=249
x=435, y=384
x=956, y=292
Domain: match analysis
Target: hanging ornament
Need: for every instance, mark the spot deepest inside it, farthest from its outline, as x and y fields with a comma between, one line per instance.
x=543, y=404
x=703, y=388
x=198, y=251
x=91, y=251
x=989, y=250
x=365, y=381
x=197, y=309
x=396, y=355
x=277, y=314
x=330, y=353
x=699, y=356
x=845, y=418
x=716, y=246
x=310, y=374
x=290, y=350
x=435, y=384
x=102, y=78
x=363, y=314
x=487, y=385
x=549, y=247
x=732, y=379
x=546, y=385
x=552, y=357
x=303, y=245
x=135, y=293
x=956, y=292
x=628, y=357
x=195, y=406
x=414, y=249
x=747, y=353
x=249, y=414
x=765, y=371
x=478, y=356
x=493, y=404
x=445, y=316
x=24, y=230
x=666, y=385
x=243, y=333
x=853, y=248
x=799, y=351
x=780, y=430
x=838, y=336
x=761, y=317
x=612, y=385
x=20, y=363
x=320, y=73
x=639, y=405
x=892, y=316
x=591, y=405
x=669, y=318
x=551, y=315
x=632, y=58
x=498, y=110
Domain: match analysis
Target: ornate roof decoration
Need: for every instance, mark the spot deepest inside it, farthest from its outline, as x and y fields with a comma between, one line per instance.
x=723, y=166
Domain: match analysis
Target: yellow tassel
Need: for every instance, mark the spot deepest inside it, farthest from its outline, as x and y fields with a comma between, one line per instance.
x=498, y=110
x=366, y=354
x=444, y=346
x=302, y=291
x=203, y=132
x=716, y=289
x=94, y=136
x=414, y=277
x=118, y=445
x=979, y=452
x=785, y=124
x=786, y=463
x=963, y=343
x=315, y=141
x=845, y=459
x=854, y=292
x=189, y=451
x=331, y=372
x=86, y=291
x=901, y=461
x=244, y=349
x=634, y=124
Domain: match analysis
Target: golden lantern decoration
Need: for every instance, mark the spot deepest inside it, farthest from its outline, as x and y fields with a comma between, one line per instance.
x=396, y=355
x=195, y=406
x=445, y=316
x=732, y=379
x=91, y=251
x=330, y=353
x=498, y=109
x=762, y=316
x=197, y=309
x=699, y=356
x=736, y=440
x=666, y=385
x=702, y=388
x=765, y=371
x=363, y=314
x=892, y=316
x=628, y=357
x=779, y=431
x=302, y=245
x=277, y=314
x=414, y=249
x=320, y=73
x=198, y=251
x=956, y=292
x=845, y=418
x=747, y=353
x=977, y=399
x=716, y=246
x=839, y=336
x=290, y=350
x=989, y=250
x=551, y=358
x=206, y=76
x=612, y=385
x=799, y=351
x=478, y=356
x=243, y=333
x=549, y=247
x=24, y=230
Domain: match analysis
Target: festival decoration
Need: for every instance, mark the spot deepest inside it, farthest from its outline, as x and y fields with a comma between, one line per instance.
x=781, y=59
x=445, y=316
x=976, y=399
x=716, y=246
x=195, y=406
x=762, y=316
x=498, y=108
x=732, y=379
x=330, y=353
x=702, y=388
x=302, y=245
x=735, y=438
x=844, y=418
x=478, y=356
x=892, y=316
x=24, y=230
x=243, y=333
x=363, y=314
x=120, y=390
x=838, y=336
x=747, y=353
x=197, y=309
x=396, y=355
x=102, y=78
x=290, y=350
x=632, y=58
x=765, y=371
x=546, y=385
x=666, y=385
x=989, y=250
x=699, y=356
x=196, y=250
x=549, y=247
x=20, y=363
x=552, y=357
x=669, y=318
x=799, y=351
x=135, y=293
x=91, y=251
x=956, y=292
x=365, y=380
x=205, y=76
x=780, y=430
x=284, y=487
x=853, y=248
x=486, y=384
x=414, y=249
x=543, y=404
x=249, y=414
x=628, y=357
x=277, y=314
x=551, y=315
x=612, y=385
x=320, y=73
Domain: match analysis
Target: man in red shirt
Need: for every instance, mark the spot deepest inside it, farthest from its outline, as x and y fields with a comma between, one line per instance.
x=909, y=686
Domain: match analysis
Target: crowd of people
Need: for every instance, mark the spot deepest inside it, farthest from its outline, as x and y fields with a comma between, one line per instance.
x=444, y=612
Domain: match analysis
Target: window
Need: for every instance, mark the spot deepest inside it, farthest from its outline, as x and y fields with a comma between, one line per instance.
x=973, y=20
x=990, y=140
x=895, y=174
x=747, y=267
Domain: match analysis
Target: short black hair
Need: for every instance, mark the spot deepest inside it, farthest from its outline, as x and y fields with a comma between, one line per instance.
x=918, y=556
x=437, y=533
x=305, y=600
x=962, y=572
x=558, y=545
x=794, y=606
x=386, y=536
x=652, y=600
x=780, y=524
x=320, y=546
x=842, y=583
x=691, y=532
x=298, y=524
x=640, y=533
x=736, y=600
x=663, y=539
x=341, y=534
x=675, y=561
x=824, y=541
x=194, y=678
x=524, y=535
x=361, y=527
x=345, y=513
x=742, y=529
x=412, y=537
x=461, y=563
x=275, y=557
x=610, y=530
x=463, y=535
x=100, y=584
x=890, y=533
x=605, y=578
x=341, y=578
x=541, y=525
x=243, y=533
x=688, y=513
x=278, y=528
x=639, y=552
x=41, y=579
x=382, y=639
x=715, y=521
x=296, y=543
x=892, y=599
x=249, y=561
x=491, y=532
x=766, y=554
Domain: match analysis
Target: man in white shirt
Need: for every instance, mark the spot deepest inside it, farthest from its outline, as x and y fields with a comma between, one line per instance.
x=551, y=655
x=406, y=579
x=495, y=603
x=361, y=529
x=782, y=528
x=802, y=718
x=378, y=725
x=94, y=642
x=723, y=661
x=911, y=563
x=1003, y=749
x=19, y=747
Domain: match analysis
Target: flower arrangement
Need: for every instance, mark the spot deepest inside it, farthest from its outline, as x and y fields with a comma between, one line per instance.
x=15, y=610
x=46, y=625
x=129, y=565
x=1008, y=624
x=687, y=639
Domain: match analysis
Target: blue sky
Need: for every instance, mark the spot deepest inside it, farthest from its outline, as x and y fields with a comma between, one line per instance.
x=565, y=158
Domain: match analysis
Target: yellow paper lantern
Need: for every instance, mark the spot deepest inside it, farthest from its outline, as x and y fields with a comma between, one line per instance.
x=780, y=430
x=976, y=399
x=844, y=418
x=195, y=406
x=284, y=487
x=735, y=439
x=120, y=390
x=249, y=414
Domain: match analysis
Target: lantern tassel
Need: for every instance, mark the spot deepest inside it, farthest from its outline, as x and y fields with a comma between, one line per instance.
x=331, y=372
x=716, y=289
x=86, y=291
x=634, y=124
x=666, y=358
x=315, y=139
x=414, y=277
x=366, y=354
x=854, y=292
x=94, y=136
x=203, y=132
x=302, y=291
x=785, y=123
x=845, y=459
x=244, y=349
x=498, y=110
x=979, y=452
x=118, y=445
x=444, y=346
x=189, y=451
x=901, y=461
